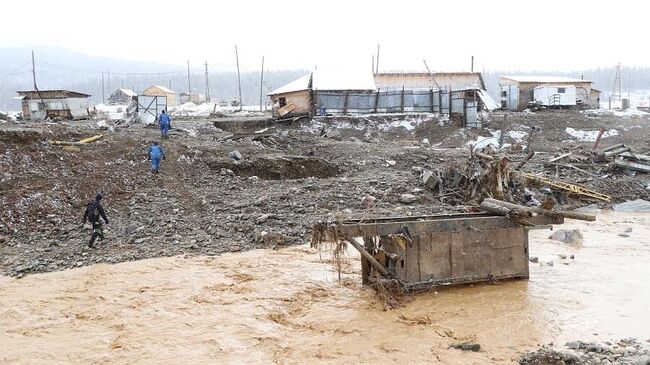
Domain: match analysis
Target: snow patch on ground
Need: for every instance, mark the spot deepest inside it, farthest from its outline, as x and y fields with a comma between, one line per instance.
x=517, y=136
x=408, y=124
x=589, y=136
x=629, y=113
x=482, y=142
x=111, y=112
x=192, y=110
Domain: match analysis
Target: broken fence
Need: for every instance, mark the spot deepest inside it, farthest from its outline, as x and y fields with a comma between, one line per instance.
x=443, y=102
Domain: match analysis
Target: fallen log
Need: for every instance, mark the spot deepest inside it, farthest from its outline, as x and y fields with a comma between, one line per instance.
x=523, y=162
x=78, y=143
x=504, y=208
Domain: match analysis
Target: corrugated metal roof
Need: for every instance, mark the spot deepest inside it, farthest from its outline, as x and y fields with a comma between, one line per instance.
x=489, y=103
x=51, y=94
x=330, y=80
x=543, y=79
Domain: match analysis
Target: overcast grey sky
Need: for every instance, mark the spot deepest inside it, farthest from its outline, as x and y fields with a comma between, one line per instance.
x=503, y=35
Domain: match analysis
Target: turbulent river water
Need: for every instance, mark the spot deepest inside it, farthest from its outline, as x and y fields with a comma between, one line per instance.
x=287, y=306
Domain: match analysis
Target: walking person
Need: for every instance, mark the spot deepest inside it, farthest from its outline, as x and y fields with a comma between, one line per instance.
x=156, y=152
x=165, y=124
x=94, y=213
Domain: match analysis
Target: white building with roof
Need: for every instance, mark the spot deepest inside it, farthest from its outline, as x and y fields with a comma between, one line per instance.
x=518, y=91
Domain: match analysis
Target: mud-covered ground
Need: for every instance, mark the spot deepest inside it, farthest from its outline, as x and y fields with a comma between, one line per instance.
x=286, y=306
x=290, y=175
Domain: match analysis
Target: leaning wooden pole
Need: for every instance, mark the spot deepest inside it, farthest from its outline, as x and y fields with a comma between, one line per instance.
x=382, y=270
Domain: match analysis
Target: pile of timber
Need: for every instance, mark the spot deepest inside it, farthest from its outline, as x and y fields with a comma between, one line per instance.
x=626, y=158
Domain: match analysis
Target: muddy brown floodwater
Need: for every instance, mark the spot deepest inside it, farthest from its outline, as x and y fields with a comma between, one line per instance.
x=286, y=306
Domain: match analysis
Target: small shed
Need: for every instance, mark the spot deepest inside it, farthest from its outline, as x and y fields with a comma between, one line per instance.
x=195, y=98
x=122, y=96
x=43, y=104
x=297, y=97
x=156, y=90
x=518, y=91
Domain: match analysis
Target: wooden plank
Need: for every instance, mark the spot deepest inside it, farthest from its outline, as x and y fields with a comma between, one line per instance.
x=412, y=271
x=435, y=261
x=451, y=225
x=457, y=254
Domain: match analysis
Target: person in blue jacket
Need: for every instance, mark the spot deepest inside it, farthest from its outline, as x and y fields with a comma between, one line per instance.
x=165, y=124
x=156, y=152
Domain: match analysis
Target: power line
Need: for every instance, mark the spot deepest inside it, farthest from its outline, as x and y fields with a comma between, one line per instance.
x=14, y=71
x=71, y=69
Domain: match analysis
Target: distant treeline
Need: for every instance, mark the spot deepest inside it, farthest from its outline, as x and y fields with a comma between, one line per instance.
x=223, y=85
x=62, y=69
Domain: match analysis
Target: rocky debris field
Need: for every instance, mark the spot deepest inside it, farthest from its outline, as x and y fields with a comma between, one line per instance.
x=282, y=178
x=625, y=351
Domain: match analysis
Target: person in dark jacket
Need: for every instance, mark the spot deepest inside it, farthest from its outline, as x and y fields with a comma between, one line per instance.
x=156, y=152
x=94, y=213
x=165, y=124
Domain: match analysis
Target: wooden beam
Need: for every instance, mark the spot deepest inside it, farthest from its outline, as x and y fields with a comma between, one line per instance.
x=498, y=207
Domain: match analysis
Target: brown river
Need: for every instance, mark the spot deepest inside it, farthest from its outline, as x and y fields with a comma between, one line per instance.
x=287, y=306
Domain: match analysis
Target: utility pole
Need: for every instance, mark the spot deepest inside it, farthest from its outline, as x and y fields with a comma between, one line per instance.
x=377, y=66
x=207, y=84
x=108, y=73
x=261, y=83
x=238, y=78
x=616, y=90
x=103, y=98
x=472, y=68
x=34, y=71
x=189, y=86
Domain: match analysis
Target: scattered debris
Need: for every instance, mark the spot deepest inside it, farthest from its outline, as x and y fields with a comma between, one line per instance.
x=572, y=236
x=235, y=155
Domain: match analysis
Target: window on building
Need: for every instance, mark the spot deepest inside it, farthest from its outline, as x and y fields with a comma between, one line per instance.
x=36, y=106
x=283, y=102
x=504, y=93
x=561, y=90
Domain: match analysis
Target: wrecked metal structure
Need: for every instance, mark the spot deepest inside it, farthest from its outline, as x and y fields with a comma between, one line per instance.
x=517, y=92
x=435, y=250
x=449, y=249
x=44, y=104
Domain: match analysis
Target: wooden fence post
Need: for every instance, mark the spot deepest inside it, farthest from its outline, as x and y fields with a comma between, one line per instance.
x=376, y=101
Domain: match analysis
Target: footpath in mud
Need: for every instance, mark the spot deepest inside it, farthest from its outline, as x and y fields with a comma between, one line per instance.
x=286, y=306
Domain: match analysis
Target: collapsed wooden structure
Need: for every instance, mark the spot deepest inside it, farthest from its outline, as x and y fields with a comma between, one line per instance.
x=434, y=250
